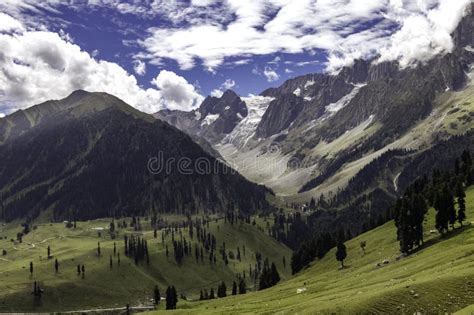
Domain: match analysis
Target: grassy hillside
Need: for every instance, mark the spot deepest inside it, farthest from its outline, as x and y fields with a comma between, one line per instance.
x=438, y=278
x=127, y=283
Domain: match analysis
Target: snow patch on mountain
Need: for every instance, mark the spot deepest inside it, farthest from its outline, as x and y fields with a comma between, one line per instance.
x=297, y=92
x=245, y=129
x=308, y=84
x=197, y=115
x=209, y=119
x=341, y=103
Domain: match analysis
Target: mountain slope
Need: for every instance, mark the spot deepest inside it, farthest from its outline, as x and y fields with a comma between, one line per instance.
x=87, y=156
x=437, y=279
x=320, y=130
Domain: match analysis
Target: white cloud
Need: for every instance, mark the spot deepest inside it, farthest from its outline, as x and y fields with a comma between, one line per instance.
x=345, y=29
x=423, y=36
x=176, y=91
x=210, y=32
x=202, y=3
x=9, y=24
x=2, y=115
x=38, y=66
x=275, y=61
x=228, y=84
x=288, y=70
x=139, y=67
x=270, y=74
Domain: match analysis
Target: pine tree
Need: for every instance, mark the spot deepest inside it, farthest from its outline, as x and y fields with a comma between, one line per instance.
x=110, y=262
x=222, y=290
x=78, y=270
x=49, y=252
x=274, y=275
x=441, y=206
x=156, y=295
x=460, y=194
x=242, y=287
x=341, y=253
x=169, y=301
x=31, y=268
x=234, y=288
x=56, y=265
x=211, y=295
x=98, y=248
x=451, y=210
x=174, y=295
x=171, y=298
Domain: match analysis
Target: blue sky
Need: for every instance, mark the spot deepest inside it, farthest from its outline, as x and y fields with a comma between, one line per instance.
x=111, y=35
x=159, y=54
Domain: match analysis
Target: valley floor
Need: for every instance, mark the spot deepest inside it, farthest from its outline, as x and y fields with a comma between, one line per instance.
x=436, y=279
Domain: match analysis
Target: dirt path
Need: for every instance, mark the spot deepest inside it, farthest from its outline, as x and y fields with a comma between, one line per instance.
x=33, y=245
x=119, y=310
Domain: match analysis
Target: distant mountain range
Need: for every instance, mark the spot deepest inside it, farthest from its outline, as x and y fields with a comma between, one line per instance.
x=316, y=133
x=86, y=156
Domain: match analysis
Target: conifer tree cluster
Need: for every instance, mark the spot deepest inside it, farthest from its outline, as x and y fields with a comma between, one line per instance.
x=317, y=247
x=443, y=192
x=409, y=213
x=181, y=248
x=269, y=276
x=171, y=298
x=137, y=248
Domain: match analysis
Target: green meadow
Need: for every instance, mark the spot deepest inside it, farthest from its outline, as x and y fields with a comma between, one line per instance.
x=127, y=283
x=437, y=279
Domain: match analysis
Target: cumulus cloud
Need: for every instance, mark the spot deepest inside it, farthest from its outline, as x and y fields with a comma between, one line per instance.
x=270, y=74
x=40, y=65
x=139, y=67
x=422, y=36
x=9, y=24
x=228, y=84
x=2, y=115
x=177, y=92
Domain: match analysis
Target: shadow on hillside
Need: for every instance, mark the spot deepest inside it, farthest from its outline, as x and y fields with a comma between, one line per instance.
x=440, y=238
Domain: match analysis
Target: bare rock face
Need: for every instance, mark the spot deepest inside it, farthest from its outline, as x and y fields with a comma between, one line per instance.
x=279, y=115
x=213, y=120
